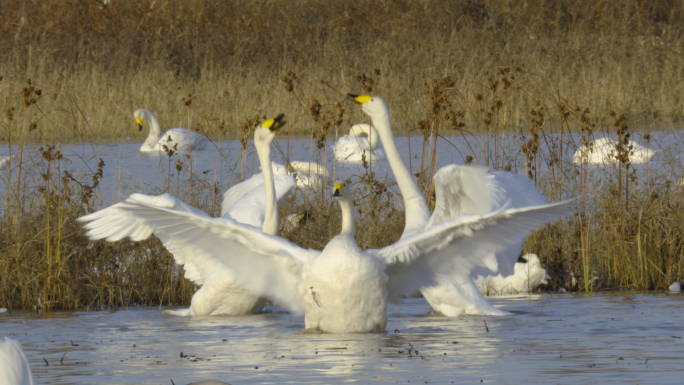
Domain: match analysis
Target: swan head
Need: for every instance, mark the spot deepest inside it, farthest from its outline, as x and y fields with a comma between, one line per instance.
x=373, y=106
x=139, y=116
x=338, y=189
x=266, y=131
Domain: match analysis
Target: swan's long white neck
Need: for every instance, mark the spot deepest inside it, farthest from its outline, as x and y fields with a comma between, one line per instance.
x=155, y=130
x=347, y=215
x=368, y=130
x=270, y=225
x=417, y=211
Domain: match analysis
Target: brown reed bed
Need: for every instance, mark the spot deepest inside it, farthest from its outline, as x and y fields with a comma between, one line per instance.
x=98, y=61
x=557, y=80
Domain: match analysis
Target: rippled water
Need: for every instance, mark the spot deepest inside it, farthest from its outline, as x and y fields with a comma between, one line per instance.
x=559, y=338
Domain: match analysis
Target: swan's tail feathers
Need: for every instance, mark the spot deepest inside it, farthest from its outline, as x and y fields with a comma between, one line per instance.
x=180, y=312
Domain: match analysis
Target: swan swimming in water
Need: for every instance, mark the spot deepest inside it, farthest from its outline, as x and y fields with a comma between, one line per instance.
x=603, y=151
x=179, y=139
x=528, y=275
x=252, y=202
x=459, y=191
x=14, y=367
x=361, y=141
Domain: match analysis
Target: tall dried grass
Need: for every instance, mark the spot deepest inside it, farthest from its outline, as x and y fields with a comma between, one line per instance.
x=556, y=74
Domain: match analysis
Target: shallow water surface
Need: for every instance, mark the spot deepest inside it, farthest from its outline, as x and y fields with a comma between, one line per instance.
x=560, y=338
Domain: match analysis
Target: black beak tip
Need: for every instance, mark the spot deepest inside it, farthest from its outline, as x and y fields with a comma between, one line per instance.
x=336, y=193
x=139, y=127
x=352, y=96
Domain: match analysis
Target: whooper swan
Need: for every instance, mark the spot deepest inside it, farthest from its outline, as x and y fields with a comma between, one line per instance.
x=528, y=275
x=252, y=202
x=14, y=368
x=362, y=141
x=604, y=151
x=178, y=139
x=459, y=191
x=339, y=289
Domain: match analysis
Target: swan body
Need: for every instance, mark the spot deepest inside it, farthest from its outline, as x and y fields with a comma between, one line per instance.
x=5, y=161
x=178, y=139
x=14, y=367
x=602, y=151
x=526, y=277
x=460, y=191
x=252, y=203
x=345, y=289
x=362, y=141
x=307, y=174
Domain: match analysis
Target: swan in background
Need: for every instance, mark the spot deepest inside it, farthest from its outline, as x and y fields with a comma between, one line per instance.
x=14, y=367
x=528, y=275
x=251, y=203
x=603, y=151
x=307, y=174
x=5, y=161
x=339, y=289
x=459, y=191
x=178, y=139
x=361, y=140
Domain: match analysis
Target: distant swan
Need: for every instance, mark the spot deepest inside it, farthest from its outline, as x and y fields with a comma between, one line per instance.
x=251, y=203
x=178, y=139
x=459, y=191
x=603, y=151
x=14, y=367
x=307, y=174
x=528, y=275
x=362, y=140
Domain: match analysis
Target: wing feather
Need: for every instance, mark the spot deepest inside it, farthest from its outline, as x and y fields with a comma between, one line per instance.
x=267, y=265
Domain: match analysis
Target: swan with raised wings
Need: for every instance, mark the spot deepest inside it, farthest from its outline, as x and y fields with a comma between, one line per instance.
x=339, y=289
x=178, y=139
x=252, y=202
x=459, y=191
x=361, y=143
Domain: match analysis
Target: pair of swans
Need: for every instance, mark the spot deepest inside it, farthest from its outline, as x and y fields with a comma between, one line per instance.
x=603, y=151
x=178, y=139
x=343, y=289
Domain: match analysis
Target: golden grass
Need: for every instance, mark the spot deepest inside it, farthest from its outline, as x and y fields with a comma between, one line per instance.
x=97, y=63
x=444, y=67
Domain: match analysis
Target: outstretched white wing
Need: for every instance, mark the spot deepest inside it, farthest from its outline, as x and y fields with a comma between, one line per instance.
x=461, y=246
x=267, y=265
x=246, y=201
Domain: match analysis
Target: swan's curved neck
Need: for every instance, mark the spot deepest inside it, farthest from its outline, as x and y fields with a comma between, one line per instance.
x=270, y=225
x=369, y=131
x=417, y=211
x=155, y=130
x=347, y=215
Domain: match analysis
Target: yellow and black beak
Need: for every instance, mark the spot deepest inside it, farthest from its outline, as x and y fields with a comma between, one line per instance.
x=360, y=99
x=337, y=190
x=275, y=124
x=139, y=121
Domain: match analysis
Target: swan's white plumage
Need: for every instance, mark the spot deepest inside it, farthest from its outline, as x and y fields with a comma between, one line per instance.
x=307, y=174
x=14, y=367
x=526, y=277
x=459, y=192
x=246, y=201
x=603, y=151
x=361, y=143
x=179, y=139
x=251, y=203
